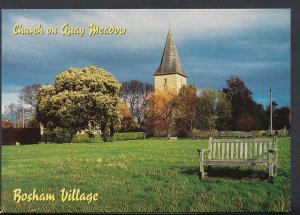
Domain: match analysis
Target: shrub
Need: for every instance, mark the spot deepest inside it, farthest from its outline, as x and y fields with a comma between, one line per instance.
x=22, y=135
x=92, y=138
x=87, y=138
x=196, y=134
x=256, y=134
x=57, y=135
x=129, y=136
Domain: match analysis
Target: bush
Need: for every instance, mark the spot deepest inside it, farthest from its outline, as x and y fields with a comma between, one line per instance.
x=129, y=136
x=22, y=135
x=197, y=134
x=57, y=135
x=92, y=138
x=87, y=138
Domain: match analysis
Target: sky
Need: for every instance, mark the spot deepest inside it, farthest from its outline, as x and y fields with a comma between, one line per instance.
x=213, y=44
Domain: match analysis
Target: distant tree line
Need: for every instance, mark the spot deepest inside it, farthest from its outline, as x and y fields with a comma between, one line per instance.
x=247, y=114
x=168, y=113
x=164, y=112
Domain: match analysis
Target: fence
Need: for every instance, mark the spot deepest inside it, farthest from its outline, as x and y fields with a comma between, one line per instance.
x=10, y=136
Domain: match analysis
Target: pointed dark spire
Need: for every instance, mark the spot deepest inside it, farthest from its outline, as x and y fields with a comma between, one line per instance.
x=170, y=62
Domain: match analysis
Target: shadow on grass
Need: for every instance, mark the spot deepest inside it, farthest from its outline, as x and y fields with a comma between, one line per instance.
x=228, y=172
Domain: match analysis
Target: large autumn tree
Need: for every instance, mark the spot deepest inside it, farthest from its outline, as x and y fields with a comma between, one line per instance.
x=80, y=99
x=127, y=121
x=187, y=103
x=161, y=113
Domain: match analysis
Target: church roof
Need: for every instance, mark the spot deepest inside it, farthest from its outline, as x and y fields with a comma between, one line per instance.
x=170, y=62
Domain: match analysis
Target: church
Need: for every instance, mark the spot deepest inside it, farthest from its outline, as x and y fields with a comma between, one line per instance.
x=169, y=73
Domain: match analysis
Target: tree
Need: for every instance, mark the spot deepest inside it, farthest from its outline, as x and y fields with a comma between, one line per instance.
x=246, y=122
x=13, y=112
x=80, y=99
x=214, y=109
x=282, y=118
x=262, y=119
x=243, y=106
x=160, y=115
x=134, y=93
x=187, y=105
x=127, y=119
x=28, y=96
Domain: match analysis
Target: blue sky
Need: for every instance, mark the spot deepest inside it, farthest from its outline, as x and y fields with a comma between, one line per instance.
x=253, y=44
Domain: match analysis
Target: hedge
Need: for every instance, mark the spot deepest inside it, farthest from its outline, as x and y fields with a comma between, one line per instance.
x=197, y=134
x=57, y=135
x=130, y=136
x=22, y=135
x=86, y=138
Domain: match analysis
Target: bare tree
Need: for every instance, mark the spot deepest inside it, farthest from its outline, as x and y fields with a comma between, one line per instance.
x=28, y=96
x=16, y=113
x=134, y=93
x=13, y=112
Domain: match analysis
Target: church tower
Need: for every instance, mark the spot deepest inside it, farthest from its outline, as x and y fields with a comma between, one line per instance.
x=170, y=73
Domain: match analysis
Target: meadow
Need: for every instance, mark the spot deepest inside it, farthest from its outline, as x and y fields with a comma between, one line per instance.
x=151, y=175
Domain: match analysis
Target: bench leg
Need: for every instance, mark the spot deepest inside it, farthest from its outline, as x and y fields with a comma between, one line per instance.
x=201, y=169
x=201, y=174
x=275, y=170
x=271, y=170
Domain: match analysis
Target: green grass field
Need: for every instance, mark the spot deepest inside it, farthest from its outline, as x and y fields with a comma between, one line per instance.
x=139, y=176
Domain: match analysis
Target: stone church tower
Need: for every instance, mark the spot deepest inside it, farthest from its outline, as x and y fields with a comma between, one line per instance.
x=170, y=73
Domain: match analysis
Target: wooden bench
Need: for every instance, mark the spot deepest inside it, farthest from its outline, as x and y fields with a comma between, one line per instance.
x=240, y=152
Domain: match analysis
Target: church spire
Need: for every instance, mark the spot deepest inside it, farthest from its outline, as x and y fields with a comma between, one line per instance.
x=170, y=62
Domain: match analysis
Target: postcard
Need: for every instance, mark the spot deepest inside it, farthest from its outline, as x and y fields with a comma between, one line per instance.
x=146, y=110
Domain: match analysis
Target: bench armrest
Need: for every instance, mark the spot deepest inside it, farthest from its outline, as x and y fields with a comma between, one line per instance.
x=203, y=150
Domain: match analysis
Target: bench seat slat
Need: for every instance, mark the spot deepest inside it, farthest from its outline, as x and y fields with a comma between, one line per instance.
x=236, y=150
x=250, y=150
x=227, y=150
x=260, y=150
x=265, y=150
x=232, y=152
x=214, y=150
x=241, y=150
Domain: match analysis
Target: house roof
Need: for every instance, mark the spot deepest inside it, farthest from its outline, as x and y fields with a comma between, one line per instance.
x=6, y=124
x=170, y=62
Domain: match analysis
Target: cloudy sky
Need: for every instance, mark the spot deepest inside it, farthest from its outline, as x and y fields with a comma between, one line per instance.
x=212, y=44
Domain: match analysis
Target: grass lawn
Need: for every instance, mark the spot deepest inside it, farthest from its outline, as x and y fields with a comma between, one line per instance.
x=139, y=176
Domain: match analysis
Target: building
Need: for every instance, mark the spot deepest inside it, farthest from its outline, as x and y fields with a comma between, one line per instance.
x=6, y=124
x=170, y=73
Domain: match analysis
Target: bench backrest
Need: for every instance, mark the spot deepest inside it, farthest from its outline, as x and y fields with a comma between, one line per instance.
x=241, y=149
